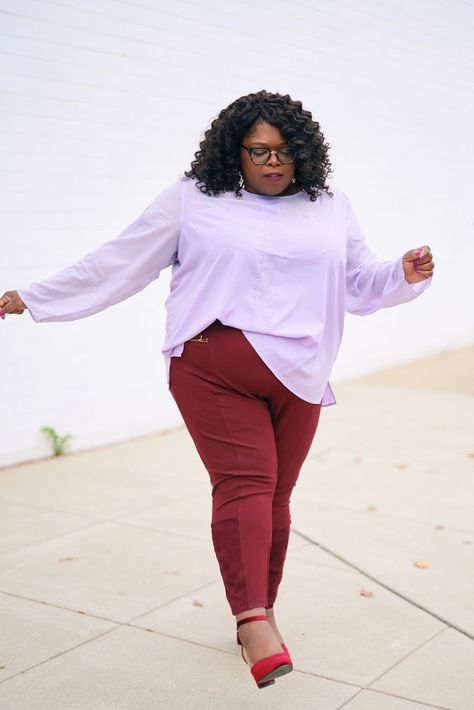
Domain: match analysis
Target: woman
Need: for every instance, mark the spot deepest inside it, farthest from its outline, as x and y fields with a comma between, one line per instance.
x=265, y=263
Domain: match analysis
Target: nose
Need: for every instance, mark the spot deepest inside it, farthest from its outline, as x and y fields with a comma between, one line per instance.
x=273, y=159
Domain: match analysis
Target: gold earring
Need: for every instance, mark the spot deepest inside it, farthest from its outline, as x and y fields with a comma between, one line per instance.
x=241, y=179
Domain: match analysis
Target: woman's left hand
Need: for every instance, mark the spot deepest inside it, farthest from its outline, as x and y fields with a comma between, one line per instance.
x=418, y=264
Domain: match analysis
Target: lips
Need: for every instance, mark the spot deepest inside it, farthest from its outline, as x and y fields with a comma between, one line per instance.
x=273, y=177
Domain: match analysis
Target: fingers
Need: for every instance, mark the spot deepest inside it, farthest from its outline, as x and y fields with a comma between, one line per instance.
x=425, y=274
x=421, y=255
x=427, y=261
x=422, y=251
x=18, y=311
x=424, y=265
x=11, y=303
x=426, y=270
x=4, y=307
x=424, y=254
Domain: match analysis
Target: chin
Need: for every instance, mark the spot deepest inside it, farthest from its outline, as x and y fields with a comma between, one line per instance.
x=275, y=189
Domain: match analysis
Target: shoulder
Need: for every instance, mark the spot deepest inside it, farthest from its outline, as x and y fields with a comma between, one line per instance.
x=183, y=197
x=167, y=193
x=339, y=201
x=338, y=194
x=171, y=198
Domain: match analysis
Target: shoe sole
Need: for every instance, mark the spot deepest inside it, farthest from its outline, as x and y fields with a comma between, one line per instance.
x=276, y=673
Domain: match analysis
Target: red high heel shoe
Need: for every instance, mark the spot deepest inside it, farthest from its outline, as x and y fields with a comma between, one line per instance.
x=267, y=669
x=282, y=645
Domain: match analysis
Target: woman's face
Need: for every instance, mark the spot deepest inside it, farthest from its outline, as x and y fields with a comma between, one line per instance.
x=266, y=135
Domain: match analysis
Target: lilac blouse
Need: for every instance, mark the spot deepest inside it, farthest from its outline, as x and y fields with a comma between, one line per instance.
x=283, y=269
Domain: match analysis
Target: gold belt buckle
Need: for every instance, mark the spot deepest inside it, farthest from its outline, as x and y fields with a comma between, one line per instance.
x=200, y=339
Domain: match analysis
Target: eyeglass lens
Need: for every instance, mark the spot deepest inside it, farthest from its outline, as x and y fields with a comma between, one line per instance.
x=261, y=155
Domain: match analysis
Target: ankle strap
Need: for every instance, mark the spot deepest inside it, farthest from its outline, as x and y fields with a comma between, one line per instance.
x=251, y=618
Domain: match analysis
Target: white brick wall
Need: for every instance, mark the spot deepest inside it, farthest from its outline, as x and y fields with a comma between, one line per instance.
x=104, y=103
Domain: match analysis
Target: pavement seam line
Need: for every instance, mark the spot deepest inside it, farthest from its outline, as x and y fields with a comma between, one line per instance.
x=118, y=624
x=433, y=614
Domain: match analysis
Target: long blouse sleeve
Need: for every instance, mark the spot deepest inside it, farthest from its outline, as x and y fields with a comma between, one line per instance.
x=372, y=284
x=114, y=271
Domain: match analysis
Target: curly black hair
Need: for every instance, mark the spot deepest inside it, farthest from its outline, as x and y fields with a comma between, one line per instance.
x=218, y=160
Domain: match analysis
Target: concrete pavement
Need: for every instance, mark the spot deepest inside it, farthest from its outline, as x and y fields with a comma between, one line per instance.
x=111, y=597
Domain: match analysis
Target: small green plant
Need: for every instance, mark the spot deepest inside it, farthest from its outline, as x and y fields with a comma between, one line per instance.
x=57, y=441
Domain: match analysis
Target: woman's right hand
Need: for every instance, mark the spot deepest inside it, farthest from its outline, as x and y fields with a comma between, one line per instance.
x=11, y=302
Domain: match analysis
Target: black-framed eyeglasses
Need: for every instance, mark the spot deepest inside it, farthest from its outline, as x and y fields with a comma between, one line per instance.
x=260, y=156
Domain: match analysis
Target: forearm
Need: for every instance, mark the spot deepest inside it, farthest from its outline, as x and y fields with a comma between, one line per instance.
x=378, y=285
x=113, y=272
x=68, y=295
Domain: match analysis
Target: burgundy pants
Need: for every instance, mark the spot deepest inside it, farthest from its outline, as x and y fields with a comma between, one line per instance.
x=252, y=435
